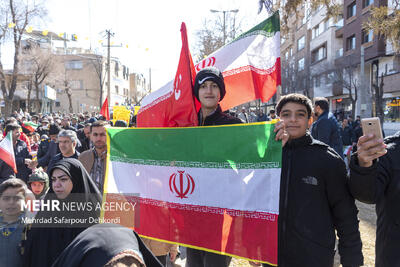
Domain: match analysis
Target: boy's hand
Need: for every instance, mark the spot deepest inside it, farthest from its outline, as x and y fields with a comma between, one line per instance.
x=369, y=148
x=281, y=133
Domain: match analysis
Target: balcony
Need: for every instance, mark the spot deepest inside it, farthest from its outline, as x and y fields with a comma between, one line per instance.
x=339, y=28
x=339, y=53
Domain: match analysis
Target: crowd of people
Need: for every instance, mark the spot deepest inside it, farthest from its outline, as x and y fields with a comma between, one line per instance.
x=63, y=157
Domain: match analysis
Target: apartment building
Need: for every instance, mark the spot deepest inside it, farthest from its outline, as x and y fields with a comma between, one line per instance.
x=78, y=76
x=379, y=57
x=295, y=59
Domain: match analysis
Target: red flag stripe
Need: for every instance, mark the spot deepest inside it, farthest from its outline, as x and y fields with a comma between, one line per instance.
x=205, y=226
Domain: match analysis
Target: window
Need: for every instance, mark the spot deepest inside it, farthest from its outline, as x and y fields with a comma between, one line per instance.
x=317, y=81
x=58, y=104
x=367, y=36
x=351, y=43
x=300, y=64
x=76, y=84
x=291, y=52
x=351, y=10
x=319, y=29
x=319, y=53
x=74, y=65
x=116, y=70
x=367, y=3
x=287, y=55
x=116, y=89
x=301, y=42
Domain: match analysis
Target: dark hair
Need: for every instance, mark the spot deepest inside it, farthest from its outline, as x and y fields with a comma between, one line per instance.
x=322, y=102
x=295, y=98
x=12, y=127
x=98, y=124
x=120, y=123
x=272, y=111
x=13, y=183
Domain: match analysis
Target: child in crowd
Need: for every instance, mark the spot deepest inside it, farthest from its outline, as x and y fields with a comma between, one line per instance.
x=38, y=182
x=12, y=194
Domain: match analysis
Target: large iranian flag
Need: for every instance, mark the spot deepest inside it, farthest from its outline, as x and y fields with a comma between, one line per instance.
x=212, y=188
x=250, y=65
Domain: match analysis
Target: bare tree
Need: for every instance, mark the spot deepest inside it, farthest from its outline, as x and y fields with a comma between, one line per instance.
x=377, y=86
x=98, y=62
x=344, y=77
x=20, y=14
x=138, y=96
x=39, y=64
x=211, y=36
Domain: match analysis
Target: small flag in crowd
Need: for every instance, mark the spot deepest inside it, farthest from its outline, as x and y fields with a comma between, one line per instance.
x=7, y=151
x=104, y=110
x=30, y=126
x=198, y=188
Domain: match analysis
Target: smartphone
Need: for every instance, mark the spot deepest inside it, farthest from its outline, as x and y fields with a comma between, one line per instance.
x=372, y=126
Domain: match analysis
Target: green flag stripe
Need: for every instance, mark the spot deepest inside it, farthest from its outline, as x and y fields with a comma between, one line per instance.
x=241, y=146
x=267, y=28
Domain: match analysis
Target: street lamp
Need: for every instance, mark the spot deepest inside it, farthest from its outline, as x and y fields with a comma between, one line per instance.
x=224, y=12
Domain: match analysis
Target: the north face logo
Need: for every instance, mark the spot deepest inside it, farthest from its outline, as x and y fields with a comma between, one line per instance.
x=310, y=180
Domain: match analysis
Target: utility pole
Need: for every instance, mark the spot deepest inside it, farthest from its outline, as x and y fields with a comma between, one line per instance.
x=109, y=34
x=150, y=80
x=224, y=19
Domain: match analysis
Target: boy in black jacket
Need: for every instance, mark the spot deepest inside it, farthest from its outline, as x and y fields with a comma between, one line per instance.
x=314, y=198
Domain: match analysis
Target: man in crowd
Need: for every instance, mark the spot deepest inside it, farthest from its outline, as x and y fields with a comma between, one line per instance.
x=44, y=127
x=272, y=115
x=66, y=124
x=84, y=136
x=262, y=116
x=347, y=133
x=67, y=140
x=326, y=128
x=21, y=153
x=243, y=116
x=375, y=179
x=94, y=160
x=209, y=89
x=314, y=198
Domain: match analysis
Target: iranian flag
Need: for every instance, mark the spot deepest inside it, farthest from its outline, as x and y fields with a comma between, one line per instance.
x=250, y=65
x=7, y=151
x=30, y=126
x=209, y=188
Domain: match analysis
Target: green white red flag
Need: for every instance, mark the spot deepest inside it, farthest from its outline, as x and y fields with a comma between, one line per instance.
x=7, y=151
x=30, y=126
x=250, y=65
x=198, y=188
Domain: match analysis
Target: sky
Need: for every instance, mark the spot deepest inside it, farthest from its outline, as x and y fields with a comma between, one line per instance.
x=151, y=29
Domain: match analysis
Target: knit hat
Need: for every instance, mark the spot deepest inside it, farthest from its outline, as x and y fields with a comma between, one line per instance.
x=209, y=74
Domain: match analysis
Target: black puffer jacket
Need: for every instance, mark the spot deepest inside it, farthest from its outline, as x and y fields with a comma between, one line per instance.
x=314, y=202
x=380, y=184
x=217, y=118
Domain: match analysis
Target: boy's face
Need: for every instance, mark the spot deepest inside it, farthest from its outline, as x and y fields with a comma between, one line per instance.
x=11, y=200
x=209, y=94
x=296, y=119
x=37, y=187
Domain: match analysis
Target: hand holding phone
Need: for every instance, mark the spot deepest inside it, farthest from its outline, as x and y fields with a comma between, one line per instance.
x=370, y=146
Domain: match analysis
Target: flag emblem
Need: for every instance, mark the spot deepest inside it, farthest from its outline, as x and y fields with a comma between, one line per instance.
x=180, y=192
